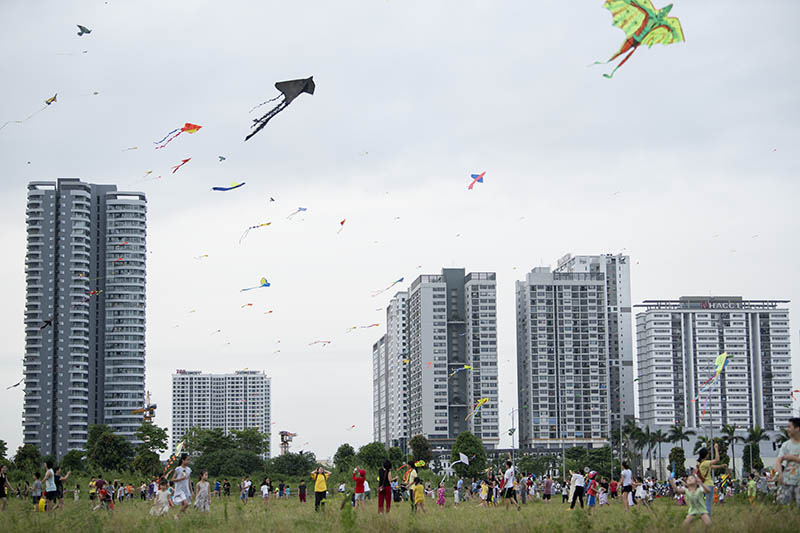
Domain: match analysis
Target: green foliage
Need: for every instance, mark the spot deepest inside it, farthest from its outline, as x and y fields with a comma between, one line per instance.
x=292, y=464
x=147, y=463
x=752, y=448
x=373, y=455
x=229, y=462
x=3, y=449
x=679, y=435
x=538, y=464
x=74, y=461
x=420, y=449
x=471, y=446
x=347, y=516
x=396, y=456
x=344, y=457
x=28, y=458
x=723, y=450
x=208, y=440
x=106, y=450
x=251, y=440
x=154, y=438
x=677, y=457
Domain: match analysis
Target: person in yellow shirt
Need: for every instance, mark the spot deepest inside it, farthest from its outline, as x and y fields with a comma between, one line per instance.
x=705, y=474
x=320, y=477
x=92, y=491
x=419, y=495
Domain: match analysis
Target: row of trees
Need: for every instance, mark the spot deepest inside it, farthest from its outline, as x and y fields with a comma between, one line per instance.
x=637, y=439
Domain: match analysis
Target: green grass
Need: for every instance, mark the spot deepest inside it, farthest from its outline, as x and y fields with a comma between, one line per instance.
x=231, y=515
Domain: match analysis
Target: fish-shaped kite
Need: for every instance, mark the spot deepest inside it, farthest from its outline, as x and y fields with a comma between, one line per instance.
x=83, y=30
x=376, y=293
x=169, y=137
x=47, y=102
x=261, y=284
x=642, y=24
x=290, y=90
x=457, y=370
x=251, y=228
x=183, y=162
x=233, y=186
x=476, y=178
x=299, y=210
x=477, y=408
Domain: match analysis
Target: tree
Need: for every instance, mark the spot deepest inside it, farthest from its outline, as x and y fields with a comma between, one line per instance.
x=729, y=430
x=154, y=438
x=396, y=456
x=780, y=438
x=751, y=457
x=230, y=462
x=373, y=454
x=28, y=459
x=679, y=435
x=208, y=440
x=106, y=450
x=292, y=464
x=3, y=449
x=147, y=463
x=420, y=449
x=251, y=440
x=658, y=438
x=677, y=460
x=472, y=447
x=74, y=461
x=343, y=458
x=724, y=460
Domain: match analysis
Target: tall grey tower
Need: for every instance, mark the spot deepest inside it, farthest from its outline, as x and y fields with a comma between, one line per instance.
x=85, y=312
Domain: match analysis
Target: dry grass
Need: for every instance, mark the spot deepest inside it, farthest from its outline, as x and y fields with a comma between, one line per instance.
x=231, y=515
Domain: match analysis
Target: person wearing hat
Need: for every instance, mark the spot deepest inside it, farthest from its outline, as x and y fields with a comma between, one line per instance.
x=591, y=490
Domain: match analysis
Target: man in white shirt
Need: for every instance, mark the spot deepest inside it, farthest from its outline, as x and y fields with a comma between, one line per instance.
x=183, y=491
x=578, y=482
x=626, y=482
x=508, y=485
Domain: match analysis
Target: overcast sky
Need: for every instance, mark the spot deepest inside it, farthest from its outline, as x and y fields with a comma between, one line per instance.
x=686, y=160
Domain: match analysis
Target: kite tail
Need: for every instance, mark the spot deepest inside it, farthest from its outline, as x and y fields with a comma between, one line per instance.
x=264, y=102
x=168, y=140
x=259, y=123
x=165, y=136
x=244, y=235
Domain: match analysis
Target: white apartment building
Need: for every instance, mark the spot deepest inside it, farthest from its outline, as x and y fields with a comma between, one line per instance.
x=678, y=342
x=619, y=327
x=228, y=401
x=380, y=393
x=452, y=322
x=562, y=359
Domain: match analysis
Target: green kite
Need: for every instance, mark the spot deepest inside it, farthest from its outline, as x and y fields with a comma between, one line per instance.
x=642, y=24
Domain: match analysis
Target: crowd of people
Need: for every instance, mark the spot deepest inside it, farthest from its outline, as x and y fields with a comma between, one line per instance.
x=699, y=489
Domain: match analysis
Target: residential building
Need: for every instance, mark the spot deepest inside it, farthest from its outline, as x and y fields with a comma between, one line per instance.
x=227, y=401
x=562, y=359
x=380, y=393
x=452, y=322
x=618, y=326
x=678, y=343
x=84, y=359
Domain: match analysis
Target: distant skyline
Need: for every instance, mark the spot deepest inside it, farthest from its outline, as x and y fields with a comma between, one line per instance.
x=686, y=161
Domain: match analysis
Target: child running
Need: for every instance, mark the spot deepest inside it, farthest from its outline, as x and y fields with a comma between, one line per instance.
x=695, y=497
x=419, y=495
x=162, y=502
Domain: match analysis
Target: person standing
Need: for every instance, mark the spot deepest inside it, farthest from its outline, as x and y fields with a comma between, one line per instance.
x=5, y=487
x=60, y=486
x=705, y=473
x=36, y=492
x=626, y=481
x=183, y=491
x=244, y=489
x=320, y=477
x=226, y=487
x=301, y=491
x=578, y=482
x=419, y=495
x=203, y=500
x=359, y=476
x=508, y=484
x=367, y=491
x=789, y=475
x=411, y=484
x=385, y=479
x=547, y=491
x=161, y=502
x=51, y=491
x=612, y=489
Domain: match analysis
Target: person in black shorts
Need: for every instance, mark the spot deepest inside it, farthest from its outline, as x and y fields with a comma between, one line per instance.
x=3, y=486
x=626, y=480
x=226, y=488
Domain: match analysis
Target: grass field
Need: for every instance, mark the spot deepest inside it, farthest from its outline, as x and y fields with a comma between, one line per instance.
x=231, y=515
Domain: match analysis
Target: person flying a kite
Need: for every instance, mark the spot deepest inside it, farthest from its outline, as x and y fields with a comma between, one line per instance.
x=642, y=24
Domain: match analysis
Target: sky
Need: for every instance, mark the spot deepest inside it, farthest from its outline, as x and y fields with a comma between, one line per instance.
x=686, y=160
